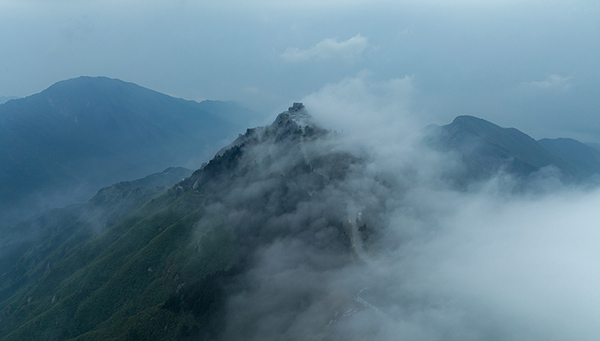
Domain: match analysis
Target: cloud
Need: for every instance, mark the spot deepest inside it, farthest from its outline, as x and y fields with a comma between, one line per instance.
x=553, y=81
x=510, y=266
x=438, y=264
x=363, y=105
x=377, y=115
x=328, y=49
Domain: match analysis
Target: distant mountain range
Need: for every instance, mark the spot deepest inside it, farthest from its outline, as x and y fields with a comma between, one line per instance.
x=59, y=146
x=486, y=149
x=185, y=260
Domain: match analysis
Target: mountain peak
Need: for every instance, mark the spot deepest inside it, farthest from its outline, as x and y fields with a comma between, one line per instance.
x=296, y=107
x=472, y=121
x=292, y=124
x=296, y=116
x=86, y=88
x=466, y=118
x=86, y=82
x=85, y=133
x=486, y=148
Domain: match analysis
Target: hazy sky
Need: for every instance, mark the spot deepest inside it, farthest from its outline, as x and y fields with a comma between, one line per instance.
x=534, y=65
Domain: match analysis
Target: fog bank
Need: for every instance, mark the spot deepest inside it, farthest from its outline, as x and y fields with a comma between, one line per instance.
x=436, y=262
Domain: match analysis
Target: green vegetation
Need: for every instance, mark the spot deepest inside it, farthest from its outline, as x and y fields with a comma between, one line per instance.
x=59, y=146
x=129, y=281
x=148, y=263
x=135, y=263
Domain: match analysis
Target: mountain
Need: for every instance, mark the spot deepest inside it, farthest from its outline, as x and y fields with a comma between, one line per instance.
x=593, y=145
x=4, y=99
x=576, y=153
x=30, y=242
x=59, y=146
x=280, y=236
x=486, y=148
x=163, y=269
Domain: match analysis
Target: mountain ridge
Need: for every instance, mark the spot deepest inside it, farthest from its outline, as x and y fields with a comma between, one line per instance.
x=88, y=132
x=167, y=232
x=575, y=152
x=197, y=260
x=486, y=148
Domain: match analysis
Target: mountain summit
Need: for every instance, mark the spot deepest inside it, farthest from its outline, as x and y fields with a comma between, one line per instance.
x=183, y=255
x=59, y=146
x=287, y=233
x=486, y=148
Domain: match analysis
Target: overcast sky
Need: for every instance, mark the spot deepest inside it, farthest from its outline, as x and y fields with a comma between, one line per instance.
x=530, y=64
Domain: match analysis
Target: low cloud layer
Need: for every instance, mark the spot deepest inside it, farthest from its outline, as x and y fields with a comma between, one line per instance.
x=439, y=264
x=488, y=266
x=365, y=108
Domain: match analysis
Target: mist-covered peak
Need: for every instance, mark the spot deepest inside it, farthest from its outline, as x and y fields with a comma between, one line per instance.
x=293, y=125
x=466, y=124
x=296, y=113
x=292, y=146
x=285, y=234
x=295, y=122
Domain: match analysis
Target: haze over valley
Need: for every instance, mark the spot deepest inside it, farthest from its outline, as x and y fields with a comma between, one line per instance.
x=300, y=170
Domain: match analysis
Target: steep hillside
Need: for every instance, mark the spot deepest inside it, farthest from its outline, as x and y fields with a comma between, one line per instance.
x=30, y=243
x=59, y=146
x=167, y=269
x=287, y=233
